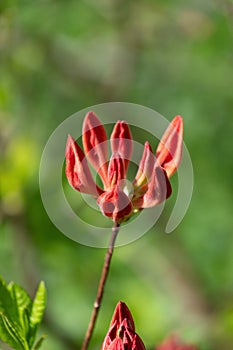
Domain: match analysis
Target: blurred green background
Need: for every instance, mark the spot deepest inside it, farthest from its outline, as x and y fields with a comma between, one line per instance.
x=57, y=57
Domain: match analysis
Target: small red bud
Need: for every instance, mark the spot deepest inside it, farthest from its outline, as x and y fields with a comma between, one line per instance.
x=169, y=151
x=121, y=141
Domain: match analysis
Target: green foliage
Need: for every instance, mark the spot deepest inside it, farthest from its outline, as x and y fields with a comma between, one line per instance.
x=20, y=316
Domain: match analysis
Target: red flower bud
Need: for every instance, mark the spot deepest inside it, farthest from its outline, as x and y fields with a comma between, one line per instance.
x=115, y=204
x=169, y=151
x=121, y=142
x=122, y=312
x=122, y=335
x=146, y=165
x=95, y=145
x=117, y=199
x=159, y=188
x=77, y=170
x=116, y=170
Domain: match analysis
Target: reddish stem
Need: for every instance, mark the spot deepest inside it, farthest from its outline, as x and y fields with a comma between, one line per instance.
x=100, y=291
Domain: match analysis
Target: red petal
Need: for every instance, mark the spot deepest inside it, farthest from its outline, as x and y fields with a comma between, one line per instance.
x=115, y=204
x=77, y=170
x=146, y=166
x=116, y=170
x=169, y=151
x=130, y=339
x=159, y=188
x=127, y=335
x=122, y=312
x=111, y=335
x=95, y=145
x=138, y=343
x=117, y=344
x=121, y=141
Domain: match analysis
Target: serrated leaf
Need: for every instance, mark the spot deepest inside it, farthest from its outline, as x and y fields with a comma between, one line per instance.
x=10, y=334
x=37, y=312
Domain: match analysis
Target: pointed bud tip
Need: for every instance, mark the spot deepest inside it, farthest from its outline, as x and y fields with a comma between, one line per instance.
x=121, y=304
x=69, y=138
x=69, y=142
x=91, y=121
x=178, y=117
x=122, y=312
x=90, y=114
x=147, y=146
x=177, y=121
x=121, y=122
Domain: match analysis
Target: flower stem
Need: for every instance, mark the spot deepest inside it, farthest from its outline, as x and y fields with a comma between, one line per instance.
x=102, y=282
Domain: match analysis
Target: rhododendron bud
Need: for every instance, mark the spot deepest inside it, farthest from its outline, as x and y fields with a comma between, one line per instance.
x=77, y=170
x=146, y=166
x=116, y=170
x=95, y=145
x=115, y=204
x=121, y=141
x=122, y=312
x=121, y=334
x=169, y=151
x=119, y=199
x=159, y=188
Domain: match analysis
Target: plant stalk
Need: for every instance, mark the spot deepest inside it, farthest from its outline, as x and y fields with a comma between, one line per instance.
x=100, y=291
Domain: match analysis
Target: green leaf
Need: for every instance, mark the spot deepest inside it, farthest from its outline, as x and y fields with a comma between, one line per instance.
x=5, y=336
x=38, y=305
x=37, y=312
x=39, y=342
x=22, y=299
x=24, y=305
x=8, y=305
x=11, y=335
x=20, y=316
x=11, y=330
